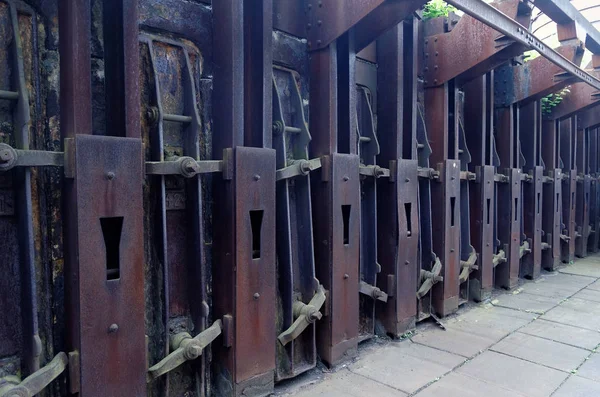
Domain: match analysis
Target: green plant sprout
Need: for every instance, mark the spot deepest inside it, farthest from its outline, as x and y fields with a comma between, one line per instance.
x=436, y=8
x=549, y=102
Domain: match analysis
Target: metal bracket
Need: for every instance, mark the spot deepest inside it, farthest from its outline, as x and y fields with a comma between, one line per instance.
x=12, y=386
x=185, y=348
x=185, y=166
x=524, y=249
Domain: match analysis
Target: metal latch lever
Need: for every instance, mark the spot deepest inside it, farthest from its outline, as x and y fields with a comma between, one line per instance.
x=304, y=315
x=372, y=291
x=185, y=348
x=11, y=386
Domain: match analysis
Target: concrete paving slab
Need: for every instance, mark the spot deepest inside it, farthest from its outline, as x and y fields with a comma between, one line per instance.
x=526, y=302
x=591, y=368
x=576, y=386
x=454, y=341
x=557, y=285
x=576, y=312
x=405, y=366
x=588, y=295
x=589, y=266
x=595, y=286
x=563, y=333
x=345, y=383
x=520, y=376
x=489, y=321
x=542, y=351
x=460, y=385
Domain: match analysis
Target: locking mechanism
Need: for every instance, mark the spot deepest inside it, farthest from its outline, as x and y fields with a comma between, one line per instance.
x=429, y=278
x=468, y=266
x=12, y=386
x=185, y=348
x=304, y=314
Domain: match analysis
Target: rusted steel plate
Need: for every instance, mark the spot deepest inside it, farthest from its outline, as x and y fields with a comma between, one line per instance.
x=329, y=19
x=107, y=306
x=594, y=192
x=582, y=216
x=445, y=209
x=443, y=62
x=569, y=186
x=289, y=16
x=244, y=277
x=532, y=213
x=483, y=204
x=337, y=225
x=552, y=219
x=509, y=228
x=534, y=79
x=581, y=97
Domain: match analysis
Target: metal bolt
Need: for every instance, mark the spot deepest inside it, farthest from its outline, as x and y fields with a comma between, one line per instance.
x=487, y=244
x=453, y=178
x=113, y=328
x=426, y=41
x=110, y=175
x=434, y=81
x=436, y=53
x=346, y=178
x=426, y=69
x=407, y=262
x=451, y=249
x=346, y=276
x=6, y=155
x=256, y=296
x=435, y=67
x=407, y=180
x=256, y=177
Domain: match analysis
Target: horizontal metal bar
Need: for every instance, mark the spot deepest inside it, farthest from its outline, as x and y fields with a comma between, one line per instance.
x=428, y=173
x=185, y=166
x=506, y=25
x=467, y=176
x=374, y=170
x=299, y=167
x=177, y=118
x=501, y=178
x=10, y=95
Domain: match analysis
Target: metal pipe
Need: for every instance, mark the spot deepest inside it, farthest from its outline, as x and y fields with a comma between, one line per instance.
x=177, y=118
x=10, y=95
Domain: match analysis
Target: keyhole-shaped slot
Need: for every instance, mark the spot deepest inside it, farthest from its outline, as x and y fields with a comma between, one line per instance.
x=346, y=218
x=572, y=200
x=111, y=230
x=407, y=212
x=256, y=218
x=488, y=204
x=452, y=205
x=538, y=203
x=557, y=207
x=515, y=210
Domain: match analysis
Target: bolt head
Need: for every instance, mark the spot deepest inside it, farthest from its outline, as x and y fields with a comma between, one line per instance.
x=256, y=177
x=110, y=175
x=256, y=296
x=113, y=328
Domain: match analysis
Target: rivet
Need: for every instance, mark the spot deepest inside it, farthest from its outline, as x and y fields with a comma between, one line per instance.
x=451, y=249
x=308, y=26
x=453, y=178
x=346, y=276
x=256, y=296
x=435, y=67
x=487, y=244
x=407, y=180
x=346, y=178
x=310, y=6
x=407, y=262
x=318, y=42
x=113, y=328
x=426, y=41
x=434, y=81
x=426, y=69
x=256, y=177
x=436, y=53
x=110, y=175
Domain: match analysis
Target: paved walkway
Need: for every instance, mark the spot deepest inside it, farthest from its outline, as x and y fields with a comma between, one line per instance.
x=539, y=340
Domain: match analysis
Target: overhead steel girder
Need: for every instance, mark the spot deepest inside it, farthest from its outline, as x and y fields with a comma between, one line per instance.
x=442, y=60
x=563, y=12
x=330, y=19
x=504, y=24
x=534, y=79
x=580, y=97
x=589, y=118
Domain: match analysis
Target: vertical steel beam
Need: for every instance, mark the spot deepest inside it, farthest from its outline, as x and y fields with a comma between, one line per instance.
x=478, y=119
x=440, y=105
x=103, y=215
x=509, y=197
x=552, y=195
x=594, y=192
x=582, y=216
x=244, y=237
x=530, y=139
x=336, y=213
x=398, y=197
x=568, y=147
